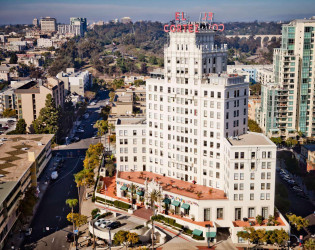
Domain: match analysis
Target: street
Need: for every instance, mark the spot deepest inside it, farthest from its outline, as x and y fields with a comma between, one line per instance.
x=50, y=226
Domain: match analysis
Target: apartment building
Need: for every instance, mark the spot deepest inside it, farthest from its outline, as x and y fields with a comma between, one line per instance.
x=31, y=155
x=31, y=97
x=75, y=81
x=70, y=30
x=48, y=24
x=293, y=69
x=265, y=75
x=209, y=169
x=131, y=144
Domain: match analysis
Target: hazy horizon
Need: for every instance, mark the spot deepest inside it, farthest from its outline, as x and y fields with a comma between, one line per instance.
x=21, y=12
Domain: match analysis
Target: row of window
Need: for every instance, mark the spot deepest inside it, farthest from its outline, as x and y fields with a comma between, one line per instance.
x=134, y=150
x=134, y=132
x=263, y=175
x=263, y=196
x=263, y=186
x=264, y=154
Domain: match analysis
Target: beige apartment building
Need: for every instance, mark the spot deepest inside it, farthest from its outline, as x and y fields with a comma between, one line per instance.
x=22, y=160
x=31, y=97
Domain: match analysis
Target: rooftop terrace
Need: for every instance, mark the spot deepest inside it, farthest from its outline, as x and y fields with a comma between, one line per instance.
x=175, y=186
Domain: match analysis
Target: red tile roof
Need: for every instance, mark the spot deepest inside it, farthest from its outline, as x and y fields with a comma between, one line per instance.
x=175, y=186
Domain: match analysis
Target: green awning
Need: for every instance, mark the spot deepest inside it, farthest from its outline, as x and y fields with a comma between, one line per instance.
x=197, y=232
x=211, y=234
x=124, y=188
x=167, y=201
x=185, y=206
x=141, y=193
x=176, y=203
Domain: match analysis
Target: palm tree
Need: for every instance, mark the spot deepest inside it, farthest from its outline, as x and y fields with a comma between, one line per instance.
x=78, y=178
x=111, y=128
x=132, y=189
x=155, y=196
x=72, y=203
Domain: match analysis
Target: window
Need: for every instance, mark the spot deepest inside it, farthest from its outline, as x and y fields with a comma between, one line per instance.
x=206, y=214
x=267, y=196
x=241, y=176
x=252, y=186
x=238, y=213
x=235, y=176
x=235, y=186
x=263, y=176
x=262, y=196
x=251, y=197
x=235, y=197
x=242, y=155
x=268, y=175
x=253, y=155
x=262, y=186
x=251, y=212
x=219, y=213
x=252, y=176
x=252, y=165
x=264, y=212
x=236, y=155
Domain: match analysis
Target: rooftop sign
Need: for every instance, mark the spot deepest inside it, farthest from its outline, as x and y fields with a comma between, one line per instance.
x=183, y=25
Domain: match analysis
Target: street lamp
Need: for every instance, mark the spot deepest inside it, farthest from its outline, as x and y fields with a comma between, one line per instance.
x=208, y=238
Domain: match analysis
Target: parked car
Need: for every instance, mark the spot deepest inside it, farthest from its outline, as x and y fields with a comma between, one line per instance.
x=28, y=231
x=296, y=188
x=114, y=225
x=70, y=237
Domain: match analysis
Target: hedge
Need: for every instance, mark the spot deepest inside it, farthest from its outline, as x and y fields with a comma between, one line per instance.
x=178, y=225
x=121, y=204
x=105, y=215
x=196, y=237
x=102, y=200
x=187, y=231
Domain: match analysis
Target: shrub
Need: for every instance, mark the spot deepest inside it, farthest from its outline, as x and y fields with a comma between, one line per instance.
x=171, y=221
x=196, y=237
x=102, y=200
x=122, y=205
x=187, y=231
x=94, y=212
x=178, y=225
x=105, y=215
x=139, y=226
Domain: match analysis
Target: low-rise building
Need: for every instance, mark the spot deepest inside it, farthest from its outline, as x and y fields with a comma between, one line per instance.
x=31, y=59
x=31, y=97
x=252, y=70
x=76, y=81
x=22, y=160
x=308, y=157
x=7, y=71
x=253, y=107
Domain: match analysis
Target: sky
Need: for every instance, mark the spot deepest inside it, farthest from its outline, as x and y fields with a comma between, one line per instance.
x=24, y=11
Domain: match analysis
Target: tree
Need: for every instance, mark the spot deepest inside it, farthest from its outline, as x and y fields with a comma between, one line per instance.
x=143, y=69
x=20, y=127
x=120, y=238
x=259, y=219
x=112, y=96
x=77, y=219
x=89, y=95
x=309, y=244
x=13, y=59
x=27, y=204
x=102, y=127
x=48, y=121
x=155, y=196
x=298, y=221
x=72, y=203
x=276, y=140
x=132, y=238
x=291, y=142
x=138, y=82
x=9, y=113
x=253, y=126
x=94, y=212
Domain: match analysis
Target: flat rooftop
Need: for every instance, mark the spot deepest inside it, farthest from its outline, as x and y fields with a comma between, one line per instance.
x=130, y=121
x=172, y=185
x=14, y=149
x=250, y=139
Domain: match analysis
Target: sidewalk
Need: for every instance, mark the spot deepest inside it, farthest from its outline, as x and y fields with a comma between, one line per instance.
x=18, y=237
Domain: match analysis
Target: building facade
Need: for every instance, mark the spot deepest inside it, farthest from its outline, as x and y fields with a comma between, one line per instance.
x=31, y=97
x=131, y=144
x=199, y=154
x=76, y=82
x=293, y=69
x=48, y=24
x=19, y=174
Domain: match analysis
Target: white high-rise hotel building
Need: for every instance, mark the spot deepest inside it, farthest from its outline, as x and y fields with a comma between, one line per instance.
x=197, y=133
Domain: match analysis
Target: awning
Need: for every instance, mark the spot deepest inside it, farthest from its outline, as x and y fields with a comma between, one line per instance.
x=211, y=234
x=197, y=232
x=185, y=206
x=167, y=201
x=176, y=203
x=141, y=193
x=124, y=188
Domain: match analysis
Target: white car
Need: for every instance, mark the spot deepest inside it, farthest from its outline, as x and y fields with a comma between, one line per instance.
x=105, y=223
